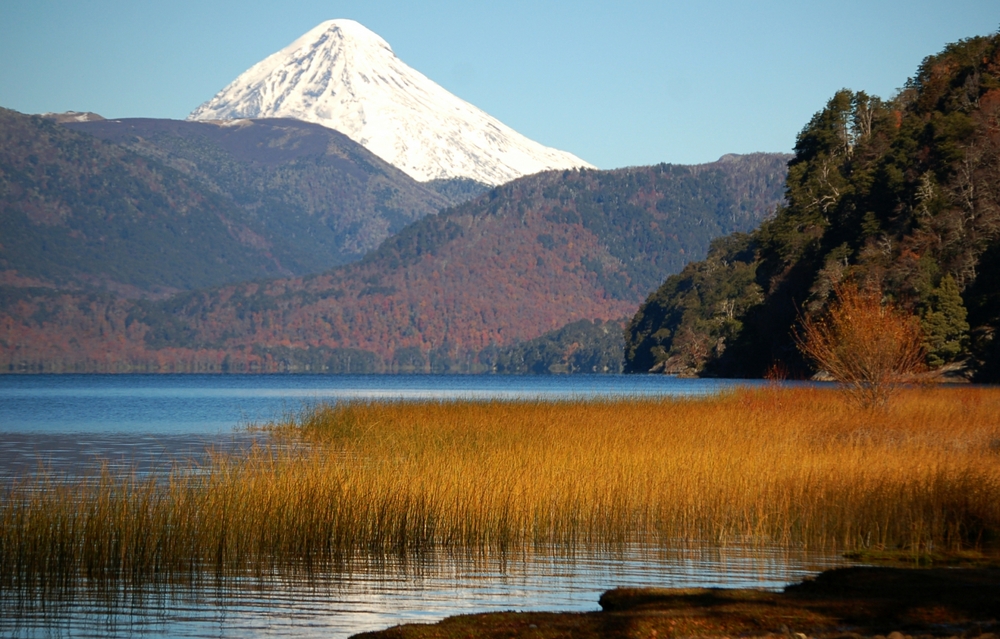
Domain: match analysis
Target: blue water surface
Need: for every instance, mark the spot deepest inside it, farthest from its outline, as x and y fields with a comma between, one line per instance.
x=68, y=424
x=214, y=404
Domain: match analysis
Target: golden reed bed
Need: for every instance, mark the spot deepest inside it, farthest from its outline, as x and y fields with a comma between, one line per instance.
x=400, y=480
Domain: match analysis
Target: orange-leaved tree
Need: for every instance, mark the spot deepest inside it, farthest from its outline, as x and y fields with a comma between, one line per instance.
x=866, y=343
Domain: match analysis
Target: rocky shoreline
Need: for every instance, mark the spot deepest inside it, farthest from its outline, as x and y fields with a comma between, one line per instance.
x=846, y=603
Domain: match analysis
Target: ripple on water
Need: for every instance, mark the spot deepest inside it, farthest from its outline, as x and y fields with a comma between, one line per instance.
x=72, y=424
x=75, y=454
x=375, y=598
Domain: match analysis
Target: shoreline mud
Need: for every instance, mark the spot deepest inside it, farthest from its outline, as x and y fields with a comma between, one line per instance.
x=846, y=603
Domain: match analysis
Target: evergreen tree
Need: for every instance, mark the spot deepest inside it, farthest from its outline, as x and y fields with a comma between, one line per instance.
x=946, y=331
x=892, y=194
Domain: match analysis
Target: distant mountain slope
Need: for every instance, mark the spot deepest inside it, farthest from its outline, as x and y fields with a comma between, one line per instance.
x=900, y=194
x=76, y=211
x=521, y=260
x=311, y=196
x=345, y=77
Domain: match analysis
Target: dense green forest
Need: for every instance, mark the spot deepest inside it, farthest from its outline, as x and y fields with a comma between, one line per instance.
x=583, y=346
x=901, y=194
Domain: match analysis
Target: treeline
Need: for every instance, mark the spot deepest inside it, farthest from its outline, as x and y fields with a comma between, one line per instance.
x=583, y=347
x=902, y=195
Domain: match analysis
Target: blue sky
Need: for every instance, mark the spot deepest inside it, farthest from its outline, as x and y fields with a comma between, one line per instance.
x=618, y=83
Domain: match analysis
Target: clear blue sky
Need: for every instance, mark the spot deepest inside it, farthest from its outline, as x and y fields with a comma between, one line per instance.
x=620, y=83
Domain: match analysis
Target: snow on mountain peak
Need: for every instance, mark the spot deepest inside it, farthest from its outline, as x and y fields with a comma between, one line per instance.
x=349, y=30
x=344, y=76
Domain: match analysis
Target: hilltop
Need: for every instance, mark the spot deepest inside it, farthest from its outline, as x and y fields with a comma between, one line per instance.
x=75, y=211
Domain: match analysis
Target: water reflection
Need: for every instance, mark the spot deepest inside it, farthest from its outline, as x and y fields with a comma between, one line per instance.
x=375, y=598
x=79, y=454
x=71, y=425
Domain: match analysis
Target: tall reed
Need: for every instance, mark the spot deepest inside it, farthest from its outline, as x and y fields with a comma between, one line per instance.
x=361, y=482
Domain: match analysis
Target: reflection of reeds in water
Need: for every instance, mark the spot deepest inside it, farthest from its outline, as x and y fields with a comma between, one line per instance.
x=400, y=481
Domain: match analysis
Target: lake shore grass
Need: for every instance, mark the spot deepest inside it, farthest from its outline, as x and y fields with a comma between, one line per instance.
x=366, y=482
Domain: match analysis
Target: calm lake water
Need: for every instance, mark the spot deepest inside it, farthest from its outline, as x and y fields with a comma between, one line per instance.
x=71, y=423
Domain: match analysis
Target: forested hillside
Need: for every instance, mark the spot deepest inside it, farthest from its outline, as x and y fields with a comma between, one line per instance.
x=314, y=197
x=578, y=347
x=901, y=194
x=526, y=258
x=160, y=205
x=76, y=211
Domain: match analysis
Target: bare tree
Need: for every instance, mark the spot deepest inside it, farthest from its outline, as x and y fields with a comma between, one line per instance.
x=869, y=345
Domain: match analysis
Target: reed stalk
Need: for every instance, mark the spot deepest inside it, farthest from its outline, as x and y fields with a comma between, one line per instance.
x=397, y=481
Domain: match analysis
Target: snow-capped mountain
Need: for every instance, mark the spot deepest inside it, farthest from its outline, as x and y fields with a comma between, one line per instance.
x=345, y=77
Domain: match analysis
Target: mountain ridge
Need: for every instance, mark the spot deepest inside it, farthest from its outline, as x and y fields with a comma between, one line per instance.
x=76, y=211
x=314, y=190
x=149, y=207
x=442, y=295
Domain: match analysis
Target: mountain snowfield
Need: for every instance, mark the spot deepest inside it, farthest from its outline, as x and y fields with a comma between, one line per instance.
x=344, y=76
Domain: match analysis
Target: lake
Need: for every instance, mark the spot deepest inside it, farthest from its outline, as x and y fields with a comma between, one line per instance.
x=69, y=424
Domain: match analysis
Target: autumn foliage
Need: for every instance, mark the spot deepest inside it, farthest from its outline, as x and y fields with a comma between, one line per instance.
x=529, y=257
x=866, y=343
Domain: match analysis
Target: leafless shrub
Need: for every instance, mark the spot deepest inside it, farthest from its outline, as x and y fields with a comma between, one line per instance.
x=869, y=345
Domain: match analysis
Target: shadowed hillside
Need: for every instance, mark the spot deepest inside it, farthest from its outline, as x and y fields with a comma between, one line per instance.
x=155, y=206
x=315, y=197
x=77, y=211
